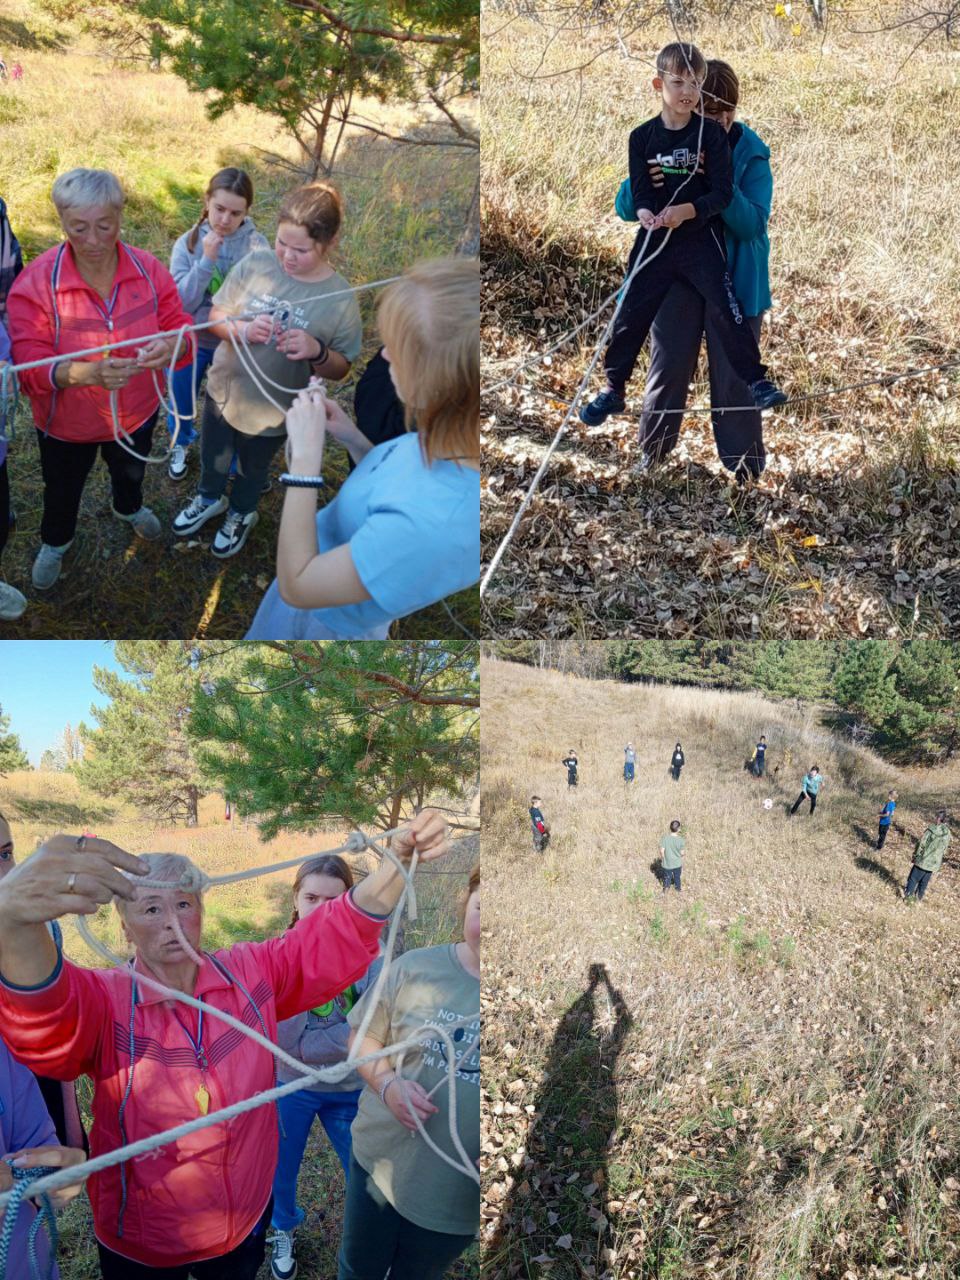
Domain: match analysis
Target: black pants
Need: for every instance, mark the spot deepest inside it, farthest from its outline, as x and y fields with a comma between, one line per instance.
x=4, y=505
x=671, y=876
x=799, y=801
x=675, y=339
x=758, y=767
x=571, y=779
x=66, y=465
x=241, y=1263
x=540, y=841
x=884, y=828
x=917, y=882
x=219, y=442
x=676, y=771
x=701, y=261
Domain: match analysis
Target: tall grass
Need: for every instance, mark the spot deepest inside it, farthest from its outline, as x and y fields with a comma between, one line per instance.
x=783, y=1098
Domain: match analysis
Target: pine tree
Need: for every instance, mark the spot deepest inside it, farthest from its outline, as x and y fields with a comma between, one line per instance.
x=926, y=717
x=791, y=668
x=864, y=684
x=12, y=755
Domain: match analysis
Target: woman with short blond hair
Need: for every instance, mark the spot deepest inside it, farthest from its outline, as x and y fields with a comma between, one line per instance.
x=404, y=529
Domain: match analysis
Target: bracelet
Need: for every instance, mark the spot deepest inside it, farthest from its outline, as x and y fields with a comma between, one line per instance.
x=302, y=482
x=385, y=1086
x=321, y=356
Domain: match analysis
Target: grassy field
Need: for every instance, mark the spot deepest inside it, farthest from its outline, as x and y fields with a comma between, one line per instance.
x=850, y=528
x=402, y=203
x=752, y=1080
x=39, y=804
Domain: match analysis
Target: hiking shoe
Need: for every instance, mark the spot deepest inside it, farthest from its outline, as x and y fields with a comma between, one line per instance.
x=601, y=407
x=177, y=466
x=12, y=603
x=233, y=533
x=766, y=394
x=145, y=523
x=200, y=510
x=283, y=1264
x=47, y=566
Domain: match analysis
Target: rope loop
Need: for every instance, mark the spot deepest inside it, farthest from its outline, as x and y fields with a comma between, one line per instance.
x=22, y=1181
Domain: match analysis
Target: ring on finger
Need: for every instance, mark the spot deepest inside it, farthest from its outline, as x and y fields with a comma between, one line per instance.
x=71, y=881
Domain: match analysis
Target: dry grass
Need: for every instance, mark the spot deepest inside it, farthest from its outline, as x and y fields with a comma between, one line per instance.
x=862, y=282
x=74, y=107
x=766, y=1090
x=39, y=804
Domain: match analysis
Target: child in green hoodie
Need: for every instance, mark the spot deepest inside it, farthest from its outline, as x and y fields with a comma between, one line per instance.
x=928, y=857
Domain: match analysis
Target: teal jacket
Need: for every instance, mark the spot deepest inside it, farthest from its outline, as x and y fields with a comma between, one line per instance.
x=745, y=221
x=812, y=783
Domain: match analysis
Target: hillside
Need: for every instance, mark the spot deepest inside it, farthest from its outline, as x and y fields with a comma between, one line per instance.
x=755, y=1079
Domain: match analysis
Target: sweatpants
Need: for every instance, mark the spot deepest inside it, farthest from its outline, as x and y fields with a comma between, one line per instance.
x=241, y=1263
x=675, y=770
x=675, y=338
x=701, y=261
x=377, y=1238
x=219, y=442
x=800, y=798
x=917, y=882
x=671, y=876
x=884, y=828
x=66, y=464
x=628, y=770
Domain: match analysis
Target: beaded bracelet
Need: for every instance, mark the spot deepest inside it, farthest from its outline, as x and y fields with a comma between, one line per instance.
x=384, y=1087
x=301, y=482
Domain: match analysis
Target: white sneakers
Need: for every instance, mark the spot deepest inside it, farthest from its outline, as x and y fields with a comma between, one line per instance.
x=233, y=533
x=199, y=511
x=283, y=1264
x=177, y=466
x=12, y=603
x=47, y=566
x=145, y=523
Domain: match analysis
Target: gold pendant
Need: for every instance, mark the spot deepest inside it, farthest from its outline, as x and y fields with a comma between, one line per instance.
x=203, y=1100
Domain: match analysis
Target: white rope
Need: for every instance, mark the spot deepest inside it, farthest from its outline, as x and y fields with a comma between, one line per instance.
x=123, y=438
x=195, y=880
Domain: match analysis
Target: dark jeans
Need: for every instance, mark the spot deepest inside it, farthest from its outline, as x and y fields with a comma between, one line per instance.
x=917, y=882
x=675, y=770
x=628, y=770
x=376, y=1237
x=219, y=442
x=540, y=841
x=799, y=800
x=241, y=1263
x=884, y=828
x=66, y=465
x=675, y=338
x=758, y=767
x=671, y=876
x=701, y=261
x=4, y=505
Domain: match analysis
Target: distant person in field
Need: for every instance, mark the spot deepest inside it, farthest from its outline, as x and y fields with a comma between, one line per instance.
x=200, y=262
x=810, y=789
x=677, y=332
x=671, y=851
x=16, y=71
x=571, y=763
x=886, y=817
x=629, y=762
x=90, y=290
x=681, y=181
x=928, y=856
x=541, y=832
x=677, y=762
x=758, y=760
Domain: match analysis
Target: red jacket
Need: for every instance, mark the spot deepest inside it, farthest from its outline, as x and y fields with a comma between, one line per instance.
x=201, y=1196
x=52, y=310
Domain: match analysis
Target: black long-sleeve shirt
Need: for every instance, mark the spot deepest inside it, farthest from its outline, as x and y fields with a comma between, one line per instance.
x=662, y=159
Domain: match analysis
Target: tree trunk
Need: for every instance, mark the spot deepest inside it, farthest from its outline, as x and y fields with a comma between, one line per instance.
x=469, y=243
x=193, y=816
x=320, y=137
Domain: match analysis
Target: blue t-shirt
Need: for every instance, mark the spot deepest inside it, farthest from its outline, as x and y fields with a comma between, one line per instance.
x=887, y=814
x=414, y=534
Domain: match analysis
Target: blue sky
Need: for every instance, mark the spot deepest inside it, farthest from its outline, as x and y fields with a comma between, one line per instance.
x=46, y=684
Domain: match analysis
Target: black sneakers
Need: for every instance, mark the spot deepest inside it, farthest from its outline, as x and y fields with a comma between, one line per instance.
x=601, y=407
x=766, y=394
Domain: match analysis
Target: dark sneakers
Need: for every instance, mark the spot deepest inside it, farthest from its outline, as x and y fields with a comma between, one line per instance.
x=601, y=407
x=766, y=394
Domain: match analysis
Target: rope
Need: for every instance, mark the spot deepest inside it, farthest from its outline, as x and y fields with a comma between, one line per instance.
x=195, y=880
x=24, y=1188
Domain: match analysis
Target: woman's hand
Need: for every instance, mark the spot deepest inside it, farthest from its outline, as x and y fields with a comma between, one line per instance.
x=212, y=244
x=297, y=344
x=65, y=877
x=156, y=354
x=339, y=423
x=428, y=832
x=57, y=1157
x=306, y=430
x=399, y=1093
x=113, y=372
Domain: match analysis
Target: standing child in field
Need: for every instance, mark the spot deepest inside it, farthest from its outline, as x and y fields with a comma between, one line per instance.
x=886, y=816
x=680, y=154
x=812, y=782
x=629, y=763
x=200, y=262
x=758, y=760
x=677, y=762
x=928, y=858
x=571, y=763
x=541, y=832
x=671, y=851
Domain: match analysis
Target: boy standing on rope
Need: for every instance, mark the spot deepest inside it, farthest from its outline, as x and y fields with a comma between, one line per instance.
x=571, y=763
x=541, y=832
x=928, y=858
x=671, y=850
x=886, y=816
x=679, y=153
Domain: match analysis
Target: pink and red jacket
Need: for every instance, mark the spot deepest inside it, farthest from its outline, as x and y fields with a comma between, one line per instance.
x=199, y=1197
x=52, y=311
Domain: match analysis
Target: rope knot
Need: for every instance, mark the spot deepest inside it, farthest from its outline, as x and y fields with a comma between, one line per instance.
x=194, y=880
x=356, y=842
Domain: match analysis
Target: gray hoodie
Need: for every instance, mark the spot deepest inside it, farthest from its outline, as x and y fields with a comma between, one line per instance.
x=321, y=1036
x=198, y=279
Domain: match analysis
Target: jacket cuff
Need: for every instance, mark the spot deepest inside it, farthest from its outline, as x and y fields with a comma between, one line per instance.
x=40, y=986
x=370, y=915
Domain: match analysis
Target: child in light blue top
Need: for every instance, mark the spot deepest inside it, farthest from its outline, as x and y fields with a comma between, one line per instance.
x=404, y=529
